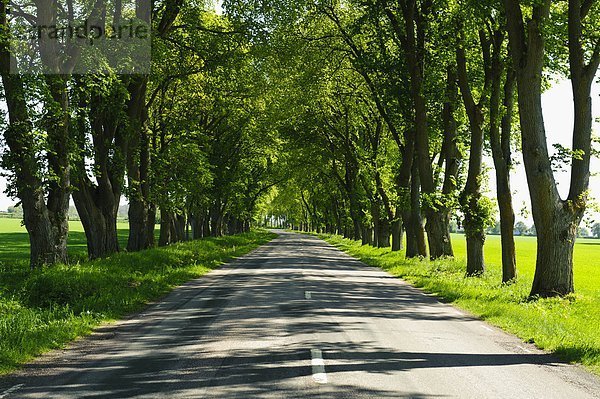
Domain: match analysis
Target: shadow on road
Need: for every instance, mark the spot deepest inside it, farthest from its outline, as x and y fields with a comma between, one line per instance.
x=177, y=348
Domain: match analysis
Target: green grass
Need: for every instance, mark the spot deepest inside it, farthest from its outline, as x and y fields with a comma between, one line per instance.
x=46, y=309
x=14, y=242
x=569, y=327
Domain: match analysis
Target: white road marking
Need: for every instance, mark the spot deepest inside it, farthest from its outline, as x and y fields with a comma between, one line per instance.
x=318, y=366
x=11, y=390
x=487, y=328
x=307, y=295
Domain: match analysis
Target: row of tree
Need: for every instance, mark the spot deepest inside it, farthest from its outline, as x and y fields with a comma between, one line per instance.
x=186, y=140
x=367, y=118
x=390, y=107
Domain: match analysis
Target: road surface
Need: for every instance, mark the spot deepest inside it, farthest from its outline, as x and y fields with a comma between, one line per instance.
x=297, y=318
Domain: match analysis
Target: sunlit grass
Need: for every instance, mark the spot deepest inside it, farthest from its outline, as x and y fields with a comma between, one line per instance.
x=14, y=242
x=568, y=327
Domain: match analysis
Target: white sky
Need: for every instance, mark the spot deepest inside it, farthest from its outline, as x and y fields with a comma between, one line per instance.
x=218, y=7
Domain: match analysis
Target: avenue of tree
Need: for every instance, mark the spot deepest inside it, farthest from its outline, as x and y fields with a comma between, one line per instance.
x=366, y=118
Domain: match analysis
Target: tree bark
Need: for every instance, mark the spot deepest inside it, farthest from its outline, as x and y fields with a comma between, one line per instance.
x=554, y=263
x=98, y=203
x=450, y=155
x=414, y=36
x=501, y=152
x=141, y=211
x=46, y=222
x=383, y=234
x=197, y=220
x=475, y=216
x=415, y=233
x=397, y=233
x=556, y=220
x=59, y=188
x=99, y=220
x=167, y=228
x=367, y=237
x=22, y=158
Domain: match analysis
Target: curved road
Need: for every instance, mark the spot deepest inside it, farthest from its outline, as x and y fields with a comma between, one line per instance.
x=297, y=318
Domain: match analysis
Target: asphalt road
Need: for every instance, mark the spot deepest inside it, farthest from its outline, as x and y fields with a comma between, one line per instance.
x=299, y=319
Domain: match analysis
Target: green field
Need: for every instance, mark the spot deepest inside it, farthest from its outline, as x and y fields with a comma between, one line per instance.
x=570, y=327
x=14, y=242
x=47, y=308
x=587, y=260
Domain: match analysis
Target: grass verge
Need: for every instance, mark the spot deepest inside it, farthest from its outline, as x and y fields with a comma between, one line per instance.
x=568, y=327
x=46, y=309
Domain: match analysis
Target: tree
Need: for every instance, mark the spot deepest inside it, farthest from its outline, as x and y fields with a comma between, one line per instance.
x=40, y=162
x=410, y=22
x=521, y=228
x=483, y=75
x=596, y=230
x=556, y=219
x=100, y=139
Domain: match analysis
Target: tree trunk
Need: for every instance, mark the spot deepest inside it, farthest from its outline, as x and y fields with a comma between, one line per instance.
x=438, y=238
x=416, y=246
x=476, y=214
x=367, y=235
x=180, y=225
x=556, y=221
x=357, y=231
x=376, y=220
x=59, y=190
x=507, y=225
x=138, y=163
x=216, y=220
x=475, y=263
x=554, y=264
x=168, y=229
x=383, y=234
x=397, y=233
x=138, y=218
x=97, y=202
x=45, y=247
x=451, y=157
x=150, y=226
x=501, y=153
x=206, y=228
x=415, y=234
x=475, y=237
x=99, y=220
x=198, y=222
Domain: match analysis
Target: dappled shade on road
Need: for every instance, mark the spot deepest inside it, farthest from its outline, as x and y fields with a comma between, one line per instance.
x=247, y=331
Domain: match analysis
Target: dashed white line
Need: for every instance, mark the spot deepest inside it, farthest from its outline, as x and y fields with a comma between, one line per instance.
x=307, y=295
x=487, y=328
x=318, y=366
x=11, y=390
